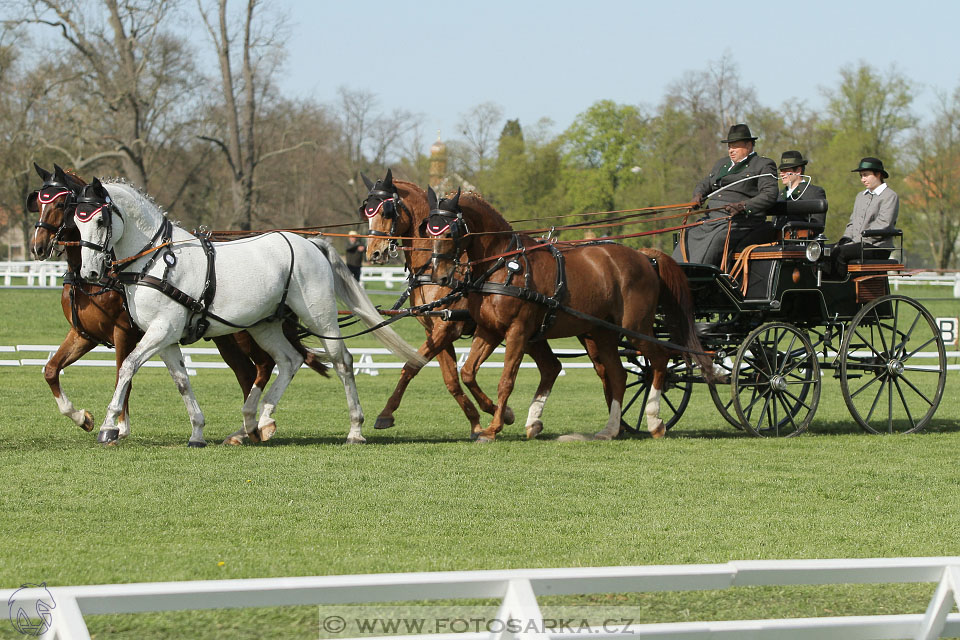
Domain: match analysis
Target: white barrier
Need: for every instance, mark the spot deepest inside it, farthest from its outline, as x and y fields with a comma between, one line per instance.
x=195, y=358
x=37, y=274
x=518, y=590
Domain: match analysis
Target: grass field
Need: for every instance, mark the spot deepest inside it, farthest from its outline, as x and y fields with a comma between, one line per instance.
x=422, y=497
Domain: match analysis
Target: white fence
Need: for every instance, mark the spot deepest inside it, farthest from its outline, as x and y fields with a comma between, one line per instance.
x=368, y=360
x=518, y=590
x=36, y=274
x=48, y=274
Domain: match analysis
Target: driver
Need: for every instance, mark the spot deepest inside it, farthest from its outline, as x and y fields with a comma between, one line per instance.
x=751, y=188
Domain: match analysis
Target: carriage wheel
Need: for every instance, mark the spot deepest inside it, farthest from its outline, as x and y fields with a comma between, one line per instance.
x=722, y=399
x=776, y=385
x=886, y=385
x=675, y=398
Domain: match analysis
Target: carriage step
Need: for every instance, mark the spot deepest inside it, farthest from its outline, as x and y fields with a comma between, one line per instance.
x=850, y=376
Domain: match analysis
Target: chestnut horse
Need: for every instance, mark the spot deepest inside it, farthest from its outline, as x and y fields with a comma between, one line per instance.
x=524, y=291
x=396, y=208
x=97, y=315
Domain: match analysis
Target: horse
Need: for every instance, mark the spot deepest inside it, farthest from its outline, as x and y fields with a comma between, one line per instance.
x=97, y=315
x=187, y=288
x=525, y=291
x=397, y=208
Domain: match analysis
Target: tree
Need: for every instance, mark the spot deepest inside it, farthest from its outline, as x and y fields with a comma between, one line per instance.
x=131, y=75
x=477, y=127
x=933, y=187
x=244, y=92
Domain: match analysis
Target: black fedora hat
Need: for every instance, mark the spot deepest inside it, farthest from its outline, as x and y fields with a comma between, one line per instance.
x=739, y=132
x=871, y=164
x=792, y=159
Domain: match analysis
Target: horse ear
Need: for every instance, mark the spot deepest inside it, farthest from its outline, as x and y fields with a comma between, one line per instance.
x=59, y=175
x=455, y=203
x=366, y=181
x=43, y=173
x=431, y=198
x=98, y=188
x=388, y=181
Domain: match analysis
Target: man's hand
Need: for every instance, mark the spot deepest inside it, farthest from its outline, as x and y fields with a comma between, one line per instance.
x=698, y=200
x=735, y=207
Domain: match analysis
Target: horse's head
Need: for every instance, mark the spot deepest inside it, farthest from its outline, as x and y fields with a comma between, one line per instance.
x=449, y=232
x=53, y=201
x=100, y=224
x=385, y=213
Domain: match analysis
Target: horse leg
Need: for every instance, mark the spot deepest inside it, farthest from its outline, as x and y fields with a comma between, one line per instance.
x=513, y=356
x=156, y=337
x=237, y=350
x=124, y=340
x=73, y=347
x=428, y=350
x=173, y=358
x=602, y=347
x=270, y=337
x=659, y=362
x=481, y=347
x=549, y=366
x=483, y=400
x=343, y=365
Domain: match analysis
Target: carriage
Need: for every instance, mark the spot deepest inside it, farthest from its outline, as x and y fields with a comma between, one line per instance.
x=782, y=319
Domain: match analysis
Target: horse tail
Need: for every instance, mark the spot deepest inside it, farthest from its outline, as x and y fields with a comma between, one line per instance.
x=352, y=294
x=677, y=301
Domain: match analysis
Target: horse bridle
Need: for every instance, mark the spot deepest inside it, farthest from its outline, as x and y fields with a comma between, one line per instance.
x=442, y=222
x=47, y=194
x=88, y=206
x=389, y=208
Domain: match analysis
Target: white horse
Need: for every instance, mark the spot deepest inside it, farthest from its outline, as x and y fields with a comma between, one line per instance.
x=254, y=278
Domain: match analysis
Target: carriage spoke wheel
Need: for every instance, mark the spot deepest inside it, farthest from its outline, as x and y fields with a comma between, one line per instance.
x=675, y=398
x=722, y=399
x=776, y=381
x=888, y=381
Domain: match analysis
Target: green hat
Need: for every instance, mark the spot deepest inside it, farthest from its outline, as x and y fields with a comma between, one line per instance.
x=871, y=164
x=792, y=159
x=739, y=132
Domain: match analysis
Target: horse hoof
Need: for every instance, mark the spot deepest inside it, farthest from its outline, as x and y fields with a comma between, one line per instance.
x=234, y=440
x=87, y=421
x=533, y=430
x=108, y=436
x=659, y=432
x=267, y=431
x=481, y=439
x=508, y=416
x=254, y=436
x=197, y=444
x=356, y=440
x=383, y=422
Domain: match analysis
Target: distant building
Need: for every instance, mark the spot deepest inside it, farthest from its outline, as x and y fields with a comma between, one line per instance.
x=442, y=180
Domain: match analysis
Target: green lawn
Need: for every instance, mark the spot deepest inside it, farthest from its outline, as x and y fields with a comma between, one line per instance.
x=421, y=497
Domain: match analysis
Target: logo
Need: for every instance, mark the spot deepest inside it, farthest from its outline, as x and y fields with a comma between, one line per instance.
x=32, y=617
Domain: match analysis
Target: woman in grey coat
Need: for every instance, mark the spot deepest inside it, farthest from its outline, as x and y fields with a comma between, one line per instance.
x=751, y=188
x=875, y=208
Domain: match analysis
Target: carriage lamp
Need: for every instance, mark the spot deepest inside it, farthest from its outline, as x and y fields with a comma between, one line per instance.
x=814, y=251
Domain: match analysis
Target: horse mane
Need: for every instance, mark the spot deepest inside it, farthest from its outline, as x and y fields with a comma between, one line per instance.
x=414, y=197
x=131, y=197
x=483, y=211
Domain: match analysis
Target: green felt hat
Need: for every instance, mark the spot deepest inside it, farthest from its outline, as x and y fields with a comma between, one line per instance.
x=871, y=164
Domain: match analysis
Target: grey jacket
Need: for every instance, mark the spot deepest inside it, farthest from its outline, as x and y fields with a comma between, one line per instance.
x=758, y=193
x=871, y=213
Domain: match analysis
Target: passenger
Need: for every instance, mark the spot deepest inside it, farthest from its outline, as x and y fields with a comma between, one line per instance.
x=796, y=186
x=753, y=191
x=875, y=208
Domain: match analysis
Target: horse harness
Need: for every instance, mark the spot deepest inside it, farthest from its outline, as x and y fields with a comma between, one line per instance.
x=199, y=321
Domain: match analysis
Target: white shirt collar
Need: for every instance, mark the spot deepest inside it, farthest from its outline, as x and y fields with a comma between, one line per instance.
x=878, y=190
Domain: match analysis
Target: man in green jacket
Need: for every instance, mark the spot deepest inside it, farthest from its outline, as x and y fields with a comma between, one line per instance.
x=742, y=185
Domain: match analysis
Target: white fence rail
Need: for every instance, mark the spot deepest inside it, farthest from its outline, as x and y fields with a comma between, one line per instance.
x=518, y=590
x=369, y=360
x=47, y=274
